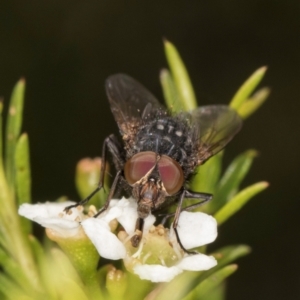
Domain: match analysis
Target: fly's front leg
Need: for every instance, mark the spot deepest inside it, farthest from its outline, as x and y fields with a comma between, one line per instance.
x=139, y=225
x=114, y=147
x=179, y=209
x=111, y=194
x=189, y=195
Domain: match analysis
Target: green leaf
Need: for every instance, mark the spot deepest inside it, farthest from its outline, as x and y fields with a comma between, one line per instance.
x=186, y=282
x=253, y=103
x=13, y=129
x=182, y=284
x=211, y=283
x=38, y=253
x=141, y=288
x=69, y=289
x=83, y=255
x=170, y=92
x=23, y=174
x=238, y=201
x=218, y=293
x=1, y=137
x=10, y=289
x=64, y=265
x=247, y=88
x=207, y=175
x=231, y=180
x=46, y=268
x=228, y=254
x=23, y=177
x=181, y=78
x=225, y=256
x=40, y=257
x=5, y=199
x=15, y=272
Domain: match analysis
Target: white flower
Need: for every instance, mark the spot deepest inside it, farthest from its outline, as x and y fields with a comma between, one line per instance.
x=52, y=216
x=159, y=273
x=98, y=229
x=195, y=230
x=159, y=257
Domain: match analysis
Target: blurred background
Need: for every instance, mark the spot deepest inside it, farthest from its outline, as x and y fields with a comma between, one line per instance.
x=65, y=50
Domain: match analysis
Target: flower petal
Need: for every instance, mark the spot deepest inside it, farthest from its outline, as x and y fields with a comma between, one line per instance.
x=197, y=262
x=110, y=214
x=106, y=243
x=45, y=210
x=157, y=273
x=196, y=229
x=50, y=215
x=129, y=214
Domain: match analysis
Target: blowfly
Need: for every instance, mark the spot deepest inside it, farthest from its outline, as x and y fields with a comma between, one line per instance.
x=159, y=151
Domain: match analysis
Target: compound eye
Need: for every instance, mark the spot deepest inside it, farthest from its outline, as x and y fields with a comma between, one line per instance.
x=139, y=165
x=171, y=174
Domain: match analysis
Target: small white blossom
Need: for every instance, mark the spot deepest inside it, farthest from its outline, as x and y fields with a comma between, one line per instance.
x=159, y=273
x=97, y=229
x=107, y=243
x=159, y=257
x=195, y=230
x=51, y=215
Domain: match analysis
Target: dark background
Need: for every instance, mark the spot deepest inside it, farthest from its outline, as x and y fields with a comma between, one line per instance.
x=66, y=49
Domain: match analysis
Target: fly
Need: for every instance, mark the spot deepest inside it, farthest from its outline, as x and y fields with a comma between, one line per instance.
x=160, y=152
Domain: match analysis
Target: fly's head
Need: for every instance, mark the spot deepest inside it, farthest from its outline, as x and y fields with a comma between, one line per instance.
x=153, y=178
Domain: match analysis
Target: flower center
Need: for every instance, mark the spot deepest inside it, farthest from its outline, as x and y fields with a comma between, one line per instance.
x=155, y=249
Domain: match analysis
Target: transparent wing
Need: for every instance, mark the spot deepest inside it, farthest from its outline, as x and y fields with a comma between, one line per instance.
x=130, y=102
x=215, y=126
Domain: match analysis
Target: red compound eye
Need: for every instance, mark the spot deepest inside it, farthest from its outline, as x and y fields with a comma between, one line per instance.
x=171, y=174
x=138, y=166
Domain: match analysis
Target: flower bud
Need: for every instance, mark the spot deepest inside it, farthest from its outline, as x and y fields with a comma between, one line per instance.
x=87, y=180
x=116, y=283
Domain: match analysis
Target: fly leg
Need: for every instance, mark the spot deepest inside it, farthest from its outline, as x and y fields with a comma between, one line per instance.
x=114, y=148
x=190, y=195
x=179, y=209
x=110, y=195
x=135, y=240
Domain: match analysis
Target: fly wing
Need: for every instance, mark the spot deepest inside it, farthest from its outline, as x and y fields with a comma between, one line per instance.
x=130, y=102
x=215, y=126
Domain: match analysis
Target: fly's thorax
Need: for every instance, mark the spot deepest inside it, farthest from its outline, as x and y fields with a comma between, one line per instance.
x=169, y=136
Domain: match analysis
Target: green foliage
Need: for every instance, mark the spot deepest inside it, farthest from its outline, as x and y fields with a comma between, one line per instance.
x=247, y=88
x=170, y=91
x=231, y=180
x=23, y=177
x=208, y=285
x=179, y=74
x=239, y=200
x=32, y=270
x=13, y=129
